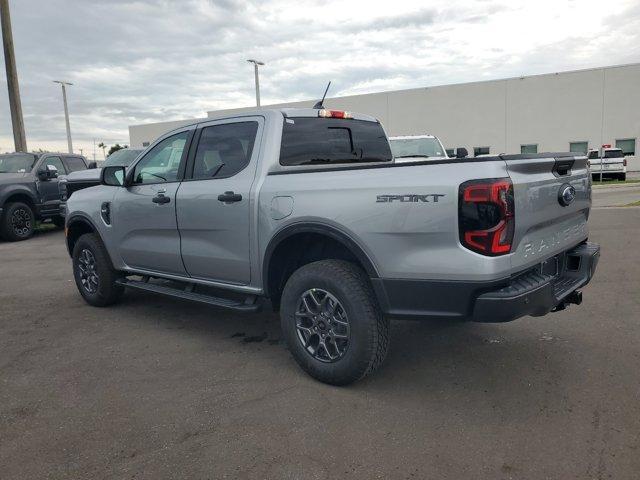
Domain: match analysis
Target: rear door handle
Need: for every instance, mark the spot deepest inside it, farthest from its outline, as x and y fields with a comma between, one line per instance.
x=160, y=199
x=229, y=197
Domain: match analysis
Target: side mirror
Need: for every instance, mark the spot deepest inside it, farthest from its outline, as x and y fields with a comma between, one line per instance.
x=113, y=176
x=461, y=152
x=47, y=172
x=92, y=165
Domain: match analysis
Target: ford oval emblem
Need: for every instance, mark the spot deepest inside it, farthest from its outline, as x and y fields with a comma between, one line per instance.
x=566, y=195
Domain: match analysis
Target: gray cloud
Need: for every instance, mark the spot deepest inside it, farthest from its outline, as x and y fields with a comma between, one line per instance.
x=145, y=61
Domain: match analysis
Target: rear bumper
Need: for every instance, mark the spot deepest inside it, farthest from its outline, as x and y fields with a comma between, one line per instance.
x=608, y=168
x=536, y=291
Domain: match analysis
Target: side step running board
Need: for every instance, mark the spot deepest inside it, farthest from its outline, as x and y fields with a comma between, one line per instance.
x=250, y=304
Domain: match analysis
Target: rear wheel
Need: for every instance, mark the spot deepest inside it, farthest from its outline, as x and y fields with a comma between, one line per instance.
x=93, y=272
x=622, y=177
x=17, y=222
x=332, y=323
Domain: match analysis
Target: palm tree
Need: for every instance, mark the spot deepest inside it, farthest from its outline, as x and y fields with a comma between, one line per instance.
x=103, y=147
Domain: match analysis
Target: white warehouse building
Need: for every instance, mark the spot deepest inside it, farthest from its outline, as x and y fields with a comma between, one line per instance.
x=567, y=111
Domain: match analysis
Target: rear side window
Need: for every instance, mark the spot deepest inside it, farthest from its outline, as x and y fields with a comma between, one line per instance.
x=224, y=150
x=74, y=164
x=317, y=141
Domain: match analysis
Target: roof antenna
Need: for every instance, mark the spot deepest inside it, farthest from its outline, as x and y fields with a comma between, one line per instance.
x=320, y=103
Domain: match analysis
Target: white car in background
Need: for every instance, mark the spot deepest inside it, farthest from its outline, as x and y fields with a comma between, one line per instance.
x=614, y=165
x=411, y=148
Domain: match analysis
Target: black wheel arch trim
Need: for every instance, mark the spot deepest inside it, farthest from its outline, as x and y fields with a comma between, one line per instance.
x=79, y=218
x=315, y=227
x=20, y=190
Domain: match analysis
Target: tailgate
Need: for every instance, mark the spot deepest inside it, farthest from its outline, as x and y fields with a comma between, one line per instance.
x=547, y=224
x=612, y=164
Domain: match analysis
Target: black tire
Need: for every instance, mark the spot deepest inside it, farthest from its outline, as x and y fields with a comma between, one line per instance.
x=622, y=177
x=102, y=290
x=17, y=222
x=58, y=221
x=368, y=342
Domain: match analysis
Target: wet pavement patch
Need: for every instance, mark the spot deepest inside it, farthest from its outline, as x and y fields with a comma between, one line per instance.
x=256, y=338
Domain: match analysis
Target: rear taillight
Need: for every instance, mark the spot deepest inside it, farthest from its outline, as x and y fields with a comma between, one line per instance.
x=486, y=216
x=624, y=162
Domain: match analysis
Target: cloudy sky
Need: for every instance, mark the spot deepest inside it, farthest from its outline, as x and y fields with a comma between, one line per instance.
x=143, y=61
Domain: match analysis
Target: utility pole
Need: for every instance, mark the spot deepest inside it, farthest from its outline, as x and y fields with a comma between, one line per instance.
x=15, y=105
x=66, y=111
x=255, y=69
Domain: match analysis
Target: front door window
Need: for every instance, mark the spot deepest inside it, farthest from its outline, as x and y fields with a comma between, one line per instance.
x=162, y=163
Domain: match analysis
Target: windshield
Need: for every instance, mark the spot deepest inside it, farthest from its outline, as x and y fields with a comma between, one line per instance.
x=420, y=147
x=16, y=163
x=121, y=158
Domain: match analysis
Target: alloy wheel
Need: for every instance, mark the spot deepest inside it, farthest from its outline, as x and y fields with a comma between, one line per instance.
x=21, y=222
x=88, y=271
x=322, y=325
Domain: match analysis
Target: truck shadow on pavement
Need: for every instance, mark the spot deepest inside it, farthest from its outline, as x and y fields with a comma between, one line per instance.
x=430, y=358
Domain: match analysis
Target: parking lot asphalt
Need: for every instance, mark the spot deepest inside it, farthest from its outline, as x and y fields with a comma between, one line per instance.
x=155, y=388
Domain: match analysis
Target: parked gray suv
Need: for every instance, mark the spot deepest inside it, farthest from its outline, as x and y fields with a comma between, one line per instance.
x=306, y=208
x=29, y=190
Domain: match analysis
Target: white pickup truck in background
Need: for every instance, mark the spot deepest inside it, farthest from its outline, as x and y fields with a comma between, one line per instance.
x=409, y=147
x=614, y=165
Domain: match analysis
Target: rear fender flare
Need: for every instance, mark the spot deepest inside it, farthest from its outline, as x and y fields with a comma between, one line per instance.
x=322, y=229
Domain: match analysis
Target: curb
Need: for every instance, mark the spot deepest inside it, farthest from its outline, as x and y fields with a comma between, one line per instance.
x=616, y=185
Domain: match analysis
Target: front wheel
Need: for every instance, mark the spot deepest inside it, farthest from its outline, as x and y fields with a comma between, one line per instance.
x=332, y=323
x=17, y=222
x=93, y=272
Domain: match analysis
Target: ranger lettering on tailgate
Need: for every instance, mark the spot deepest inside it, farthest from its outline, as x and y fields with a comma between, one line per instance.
x=555, y=239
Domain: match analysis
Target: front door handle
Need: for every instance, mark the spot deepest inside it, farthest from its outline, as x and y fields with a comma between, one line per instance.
x=229, y=197
x=160, y=199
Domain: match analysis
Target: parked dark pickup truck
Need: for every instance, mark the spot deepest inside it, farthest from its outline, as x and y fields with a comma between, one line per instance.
x=90, y=178
x=30, y=190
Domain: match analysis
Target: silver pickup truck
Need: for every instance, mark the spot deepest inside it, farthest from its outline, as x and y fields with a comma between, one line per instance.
x=307, y=209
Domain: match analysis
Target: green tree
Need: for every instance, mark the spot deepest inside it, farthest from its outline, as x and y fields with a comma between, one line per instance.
x=116, y=147
x=103, y=147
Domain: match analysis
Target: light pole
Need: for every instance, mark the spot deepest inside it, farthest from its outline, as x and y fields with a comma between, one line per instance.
x=15, y=106
x=64, y=84
x=255, y=69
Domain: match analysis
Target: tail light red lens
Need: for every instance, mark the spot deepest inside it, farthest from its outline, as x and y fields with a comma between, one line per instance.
x=624, y=162
x=486, y=218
